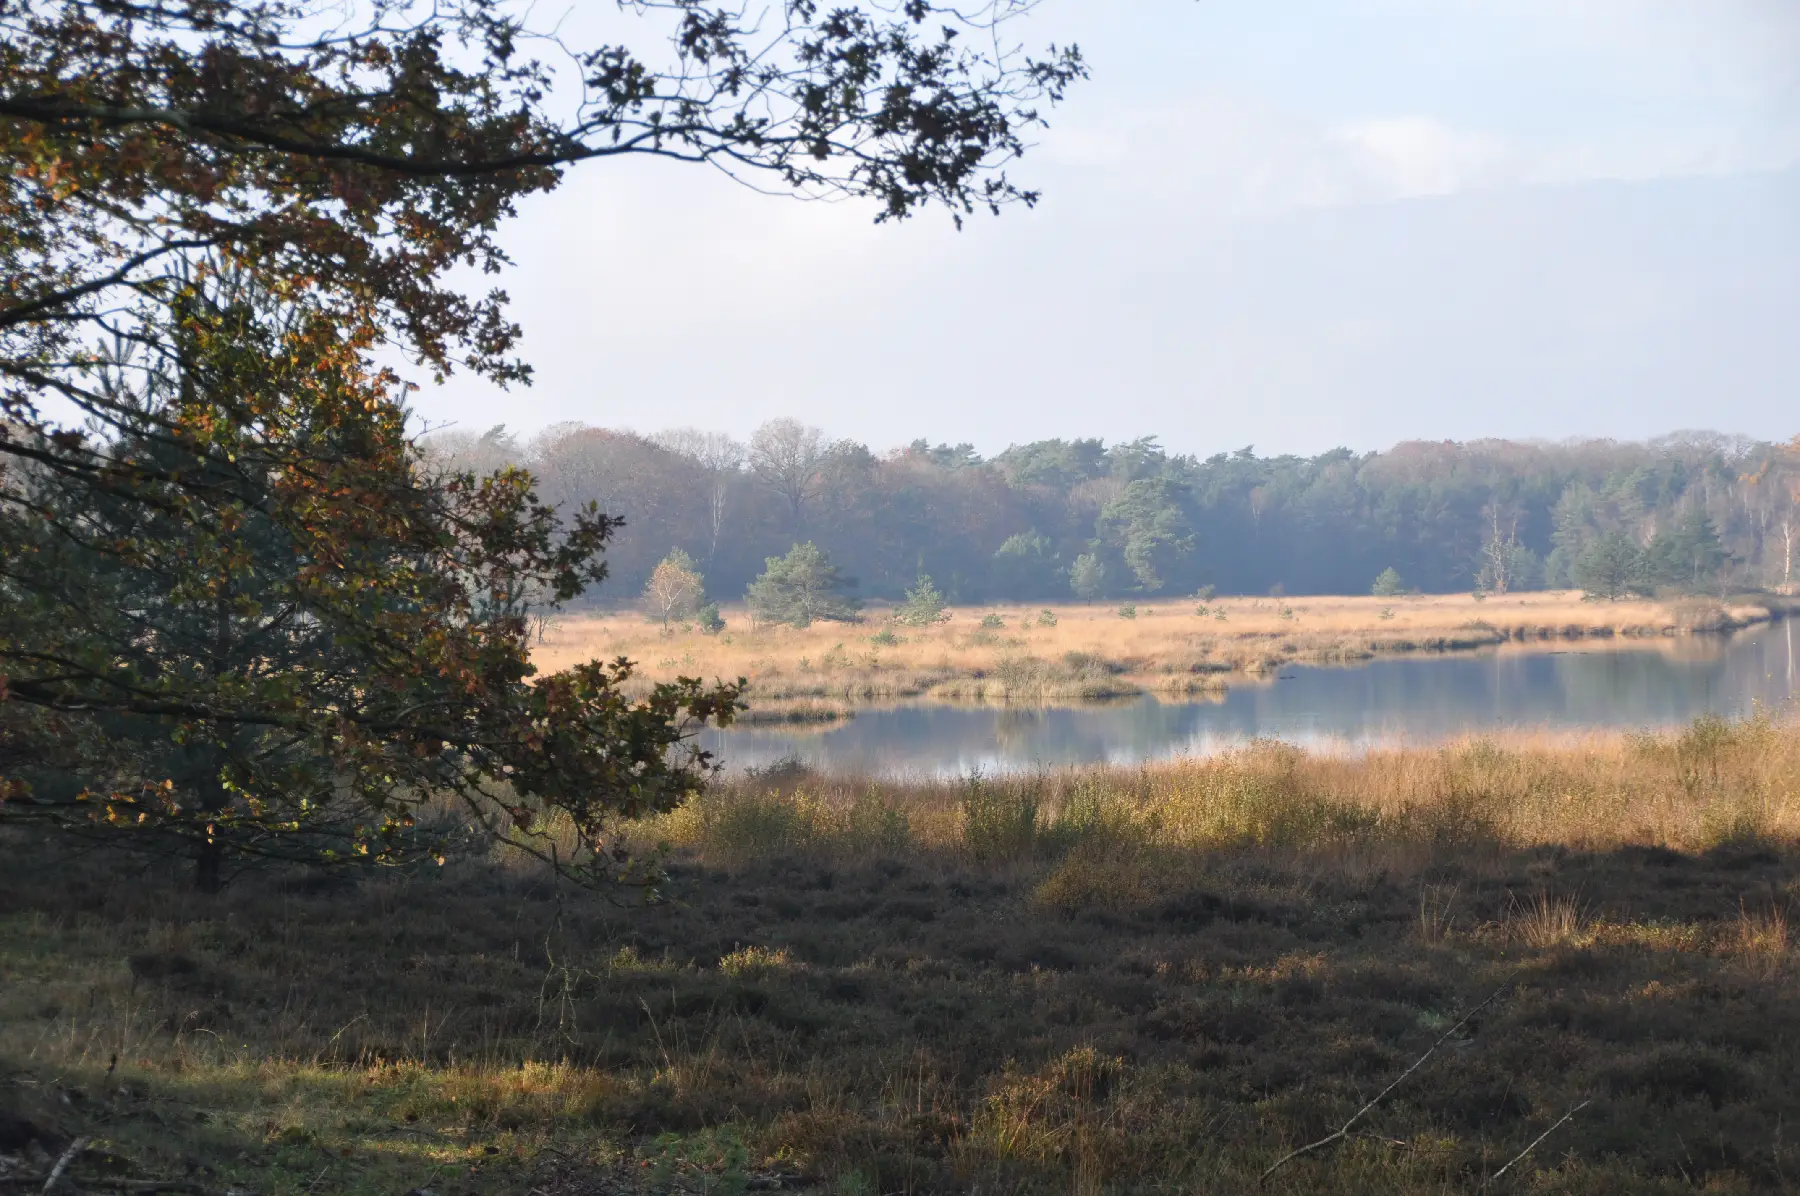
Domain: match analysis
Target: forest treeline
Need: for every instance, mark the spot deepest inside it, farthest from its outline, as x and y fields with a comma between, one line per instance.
x=1056, y=519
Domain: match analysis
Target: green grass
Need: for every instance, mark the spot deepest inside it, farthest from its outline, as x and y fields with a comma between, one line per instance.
x=1131, y=981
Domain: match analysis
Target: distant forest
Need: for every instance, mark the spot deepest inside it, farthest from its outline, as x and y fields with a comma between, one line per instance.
x=1058, y=519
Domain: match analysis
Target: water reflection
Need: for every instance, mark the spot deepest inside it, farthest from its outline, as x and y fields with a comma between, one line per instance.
x=1411, y=699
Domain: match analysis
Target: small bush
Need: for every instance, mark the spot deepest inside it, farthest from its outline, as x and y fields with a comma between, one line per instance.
x=874, y=826
x=998, y=824
x=1128, y=611
x=885, y=637
x=1099, y=875
x=709, y=619
x=992, y=622
x=1058, y=1117
x=1046, y=618
x=1763, y=932
x=750, y=963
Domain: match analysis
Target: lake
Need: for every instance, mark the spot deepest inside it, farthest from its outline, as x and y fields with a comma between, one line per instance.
x=1387, y=701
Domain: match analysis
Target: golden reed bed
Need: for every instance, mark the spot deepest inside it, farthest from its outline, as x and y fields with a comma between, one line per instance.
x=1090, y=651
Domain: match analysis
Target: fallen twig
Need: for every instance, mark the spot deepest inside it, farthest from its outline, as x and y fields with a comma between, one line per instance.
x=1535, y=1141
x=62, y=1164
x=1343, y=1131
x=1396, y=1143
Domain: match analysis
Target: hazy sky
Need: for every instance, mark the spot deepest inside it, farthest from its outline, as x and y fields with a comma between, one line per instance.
x=1294, y=226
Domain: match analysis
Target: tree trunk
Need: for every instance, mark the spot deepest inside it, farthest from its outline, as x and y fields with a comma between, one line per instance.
x=1787, y=569
x=207, y=867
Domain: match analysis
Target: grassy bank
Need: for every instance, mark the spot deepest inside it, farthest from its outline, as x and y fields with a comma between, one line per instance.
x=1076, y=653
x=1099, y=981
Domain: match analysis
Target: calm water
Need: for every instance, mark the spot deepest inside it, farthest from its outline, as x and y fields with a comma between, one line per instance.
x=1409, y=699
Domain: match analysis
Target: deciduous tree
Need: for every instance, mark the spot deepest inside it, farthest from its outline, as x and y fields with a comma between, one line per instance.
x=249, y=623
x=213, y=215
x=675, y=588
x=719, y=458
x=789, y=458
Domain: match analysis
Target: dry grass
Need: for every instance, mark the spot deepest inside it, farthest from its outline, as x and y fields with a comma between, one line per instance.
x=1086, y=652
x=1144, y=980
x=1713, y=783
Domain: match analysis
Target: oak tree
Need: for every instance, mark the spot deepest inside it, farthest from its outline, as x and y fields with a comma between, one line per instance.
x=237, y=610
x=249, y=623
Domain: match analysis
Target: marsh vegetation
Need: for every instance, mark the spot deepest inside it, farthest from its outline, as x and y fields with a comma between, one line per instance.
x=1070, y=652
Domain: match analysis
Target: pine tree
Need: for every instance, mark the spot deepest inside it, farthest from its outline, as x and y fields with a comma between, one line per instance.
x=1087, y=577
x=801, y=587
x=924, y=605
x=1611, y=567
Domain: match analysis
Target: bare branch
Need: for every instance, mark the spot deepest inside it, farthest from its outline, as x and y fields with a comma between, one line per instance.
x=1343, y=1131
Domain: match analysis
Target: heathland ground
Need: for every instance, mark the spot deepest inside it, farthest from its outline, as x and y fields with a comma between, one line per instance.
x=1100, y=981
x=1072, y=652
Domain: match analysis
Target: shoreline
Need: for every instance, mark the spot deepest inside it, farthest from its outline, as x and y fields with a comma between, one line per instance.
x=1077, y=655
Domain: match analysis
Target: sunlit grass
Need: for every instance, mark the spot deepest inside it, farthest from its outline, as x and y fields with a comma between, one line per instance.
x=1084, y=652
x=1710, y=784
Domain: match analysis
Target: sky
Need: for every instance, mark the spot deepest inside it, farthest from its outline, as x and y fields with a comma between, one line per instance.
x=1293, y=226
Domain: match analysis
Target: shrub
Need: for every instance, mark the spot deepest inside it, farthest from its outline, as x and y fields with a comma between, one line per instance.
x=1111, y=876
x=1388, y=584
x=1046, y=618
x=992, y=622
x=751, y=963
x=998, y=823
x=710, y=620
x=1128, y=611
